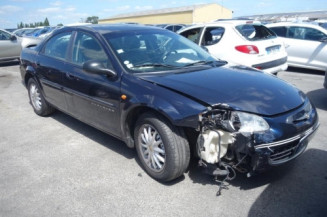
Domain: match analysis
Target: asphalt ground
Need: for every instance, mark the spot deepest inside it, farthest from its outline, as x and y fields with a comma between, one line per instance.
x=58, y=166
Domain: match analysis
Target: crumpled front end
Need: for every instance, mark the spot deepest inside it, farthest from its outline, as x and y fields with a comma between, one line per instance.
x=233, y=140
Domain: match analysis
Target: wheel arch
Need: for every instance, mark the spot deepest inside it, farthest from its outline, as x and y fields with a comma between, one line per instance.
x=129, y=121
x=30, y=73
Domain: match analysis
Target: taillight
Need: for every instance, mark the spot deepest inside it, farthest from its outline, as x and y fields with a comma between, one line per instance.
x=249, y=49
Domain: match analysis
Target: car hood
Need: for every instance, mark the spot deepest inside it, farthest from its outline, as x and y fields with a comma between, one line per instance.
x=241, y=88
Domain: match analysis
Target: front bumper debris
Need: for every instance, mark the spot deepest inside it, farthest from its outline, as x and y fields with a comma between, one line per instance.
x=280, y=152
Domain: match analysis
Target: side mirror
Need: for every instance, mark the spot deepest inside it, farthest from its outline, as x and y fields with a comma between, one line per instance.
x=13, y=38
x=204, y=48
x=96, y=67
x=323, y=39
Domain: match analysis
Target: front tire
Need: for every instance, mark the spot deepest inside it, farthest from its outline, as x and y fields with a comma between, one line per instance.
x=161, y=147
x=40, y=106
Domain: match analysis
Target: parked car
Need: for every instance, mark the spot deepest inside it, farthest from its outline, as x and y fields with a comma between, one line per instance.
x=10, y=46
x=164, y=95
x=242, y=42
x=48, y=32
x=306, y=44
x=171, y=27
x=324, y=25
x=31, y=33
x=26, y=31
x=30, y=41
x=42, y=31
x=325, y=82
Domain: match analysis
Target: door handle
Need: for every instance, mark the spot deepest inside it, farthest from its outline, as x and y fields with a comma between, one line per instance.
x=70, y=76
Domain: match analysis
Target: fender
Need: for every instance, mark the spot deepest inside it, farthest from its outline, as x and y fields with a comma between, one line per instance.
x=178, y=109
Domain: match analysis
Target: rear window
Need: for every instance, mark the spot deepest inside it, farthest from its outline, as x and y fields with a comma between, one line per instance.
x=255, y=32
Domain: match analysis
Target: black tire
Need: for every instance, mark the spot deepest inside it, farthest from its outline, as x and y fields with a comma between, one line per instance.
x=40, y=106
x=170, y=145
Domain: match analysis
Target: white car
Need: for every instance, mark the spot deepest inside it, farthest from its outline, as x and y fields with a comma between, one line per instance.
x=306, y=44
x=241, y=42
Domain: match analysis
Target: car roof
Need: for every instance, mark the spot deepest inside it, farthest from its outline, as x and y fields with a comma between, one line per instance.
x=107, y=28
x=225, y=23
x=297, y=24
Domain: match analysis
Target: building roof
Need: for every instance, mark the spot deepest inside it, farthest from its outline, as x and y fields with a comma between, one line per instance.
x=159, y=11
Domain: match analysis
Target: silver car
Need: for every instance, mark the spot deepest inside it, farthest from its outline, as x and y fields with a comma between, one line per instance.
x=10, y=46
x=306, y=44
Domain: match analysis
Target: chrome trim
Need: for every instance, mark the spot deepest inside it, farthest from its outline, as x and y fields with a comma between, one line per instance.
x=292, y=139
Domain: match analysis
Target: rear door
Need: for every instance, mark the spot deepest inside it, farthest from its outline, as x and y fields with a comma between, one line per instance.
x=92, y=98
x=51, y=66
x=211, y=38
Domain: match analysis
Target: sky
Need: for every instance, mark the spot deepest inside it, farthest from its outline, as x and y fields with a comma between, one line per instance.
x=13, y=12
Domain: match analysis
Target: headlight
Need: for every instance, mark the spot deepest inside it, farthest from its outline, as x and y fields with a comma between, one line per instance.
x=248, y=123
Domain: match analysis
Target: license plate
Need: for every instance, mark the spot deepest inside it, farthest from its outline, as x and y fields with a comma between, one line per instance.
x=273, y=49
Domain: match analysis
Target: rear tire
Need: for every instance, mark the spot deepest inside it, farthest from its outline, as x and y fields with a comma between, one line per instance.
x=40, y=106
x=161, y=147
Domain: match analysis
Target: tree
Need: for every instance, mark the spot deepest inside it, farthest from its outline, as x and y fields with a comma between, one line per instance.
x=46, y=22
x=93, y=20
x=60, y=24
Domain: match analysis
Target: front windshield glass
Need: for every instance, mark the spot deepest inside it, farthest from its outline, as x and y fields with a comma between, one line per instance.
x=156, y=50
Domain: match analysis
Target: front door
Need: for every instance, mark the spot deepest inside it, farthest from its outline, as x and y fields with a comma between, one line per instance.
x=92, y=98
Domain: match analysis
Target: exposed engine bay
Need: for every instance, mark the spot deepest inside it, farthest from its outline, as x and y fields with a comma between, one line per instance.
x=231, y=141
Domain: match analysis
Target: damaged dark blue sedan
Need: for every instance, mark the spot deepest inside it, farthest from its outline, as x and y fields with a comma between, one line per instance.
x=169, y=99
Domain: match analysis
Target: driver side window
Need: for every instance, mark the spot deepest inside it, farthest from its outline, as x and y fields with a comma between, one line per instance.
x=4, y=35
x=192, y=34
x=86, y=48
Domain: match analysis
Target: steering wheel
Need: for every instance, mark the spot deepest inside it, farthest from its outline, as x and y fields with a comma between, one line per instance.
x=168, y=49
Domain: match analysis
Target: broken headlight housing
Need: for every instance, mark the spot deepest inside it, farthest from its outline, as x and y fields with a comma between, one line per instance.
x=247, y=123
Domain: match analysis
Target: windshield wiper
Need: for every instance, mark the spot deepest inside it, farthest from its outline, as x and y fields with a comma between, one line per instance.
x=204, y=62
x=154, y=65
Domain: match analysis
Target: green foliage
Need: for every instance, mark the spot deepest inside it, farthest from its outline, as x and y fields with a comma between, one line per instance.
x=93, y=20
x=33, y=25
x=46, y=22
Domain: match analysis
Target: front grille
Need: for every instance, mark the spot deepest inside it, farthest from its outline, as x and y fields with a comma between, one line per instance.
x=284, y=152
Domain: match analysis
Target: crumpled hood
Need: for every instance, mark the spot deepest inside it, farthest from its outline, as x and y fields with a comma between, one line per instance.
x=242, y=89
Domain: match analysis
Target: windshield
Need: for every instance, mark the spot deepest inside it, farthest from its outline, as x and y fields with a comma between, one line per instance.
x=254, y=32
x=156, y=50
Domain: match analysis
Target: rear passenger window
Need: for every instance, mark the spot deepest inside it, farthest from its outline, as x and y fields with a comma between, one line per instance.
x=57, y=46
x=178, y=28
x=280, y=31
x=255, y=32
x=212, y=35
x=171, y=28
